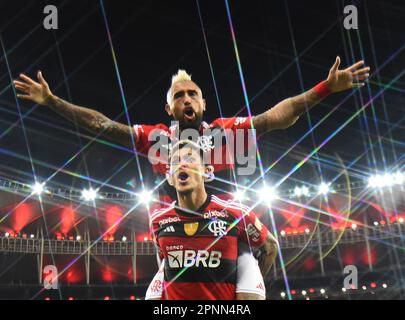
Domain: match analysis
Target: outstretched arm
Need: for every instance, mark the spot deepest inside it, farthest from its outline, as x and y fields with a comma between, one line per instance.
x=268, y=253
x=288, y=111
x=86, y=118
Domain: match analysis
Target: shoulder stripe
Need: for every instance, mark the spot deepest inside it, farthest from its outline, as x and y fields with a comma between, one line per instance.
x=233, y=206
x=231, y=203
x=159, y=212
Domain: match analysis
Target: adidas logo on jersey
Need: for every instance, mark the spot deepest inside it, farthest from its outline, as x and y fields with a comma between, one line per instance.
x=260, y=286
x=169, y=229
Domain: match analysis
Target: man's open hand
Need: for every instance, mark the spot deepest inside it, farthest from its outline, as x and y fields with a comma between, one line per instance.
x=351, y=77
x=31, y=90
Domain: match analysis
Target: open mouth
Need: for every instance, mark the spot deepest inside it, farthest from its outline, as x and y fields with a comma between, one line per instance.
x=183, y=176
x=189, y=113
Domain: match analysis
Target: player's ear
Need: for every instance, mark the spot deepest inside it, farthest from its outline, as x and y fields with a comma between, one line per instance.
x=209, y=174
x=204, y=104
x=168, y=110
x=169, y=177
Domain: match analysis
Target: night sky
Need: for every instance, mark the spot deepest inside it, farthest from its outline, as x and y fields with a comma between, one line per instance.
x=285, y=47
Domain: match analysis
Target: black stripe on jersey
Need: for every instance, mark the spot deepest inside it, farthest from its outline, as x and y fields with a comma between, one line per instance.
x=177, y=229
x=224, y=273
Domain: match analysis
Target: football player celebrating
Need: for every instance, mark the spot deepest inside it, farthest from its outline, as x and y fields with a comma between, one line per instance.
x=198, y=235
x=185, y=103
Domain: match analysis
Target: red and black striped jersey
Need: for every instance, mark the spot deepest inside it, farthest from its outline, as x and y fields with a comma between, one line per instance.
x=201, y=248
x=210, y=137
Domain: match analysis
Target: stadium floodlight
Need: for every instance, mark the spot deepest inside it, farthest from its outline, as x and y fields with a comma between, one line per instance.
x=239, y=195
x=324, y=188
x=364, y=287
x=398, y=178
x=78, y=238
x=32, y=236
x=401, y=220
x=89, y=194
x=267, y=194
x=354, y=226
x=7, y=234
x=322, y=291
x=374, y=181
x=375, y=223
x=124, y=239
x=307, y=230
x=282, y=233
x=304, y=293
x=388, y=180
x=385, y=180
x=297, y=191
x=38, y=188
x=344, y=289
x=145, y=239
x=282, y=294
x=384, y=285
x=145, y=196
x=304, y=191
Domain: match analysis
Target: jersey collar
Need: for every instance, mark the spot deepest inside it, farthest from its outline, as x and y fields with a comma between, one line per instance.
x=198, y=212
x=174, y=128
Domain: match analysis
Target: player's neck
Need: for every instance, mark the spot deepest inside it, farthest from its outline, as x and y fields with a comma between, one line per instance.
x=193, y=200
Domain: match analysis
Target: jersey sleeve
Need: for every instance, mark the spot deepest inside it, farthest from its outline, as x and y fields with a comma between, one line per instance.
x=233, y=123
x=251, y=230
x=241, y=128
x=144, y=134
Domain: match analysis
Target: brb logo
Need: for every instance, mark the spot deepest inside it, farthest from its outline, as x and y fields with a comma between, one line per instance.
x=190, y=258
x=218, y=228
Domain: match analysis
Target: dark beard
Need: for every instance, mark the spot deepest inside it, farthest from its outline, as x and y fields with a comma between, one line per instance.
x=191, y=125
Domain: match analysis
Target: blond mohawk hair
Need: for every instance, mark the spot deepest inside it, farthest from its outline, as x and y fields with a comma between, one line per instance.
x=181, y=75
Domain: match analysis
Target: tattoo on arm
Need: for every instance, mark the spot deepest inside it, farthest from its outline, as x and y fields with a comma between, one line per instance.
x=286, y=113
x=93, y=121
x=304, y=102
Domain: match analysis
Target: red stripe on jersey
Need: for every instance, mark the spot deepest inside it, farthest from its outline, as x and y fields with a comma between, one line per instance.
x=185, y=241
x=144, y=134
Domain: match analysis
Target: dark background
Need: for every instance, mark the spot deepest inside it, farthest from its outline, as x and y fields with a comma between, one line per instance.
x=152, y=39
x=285, y=48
